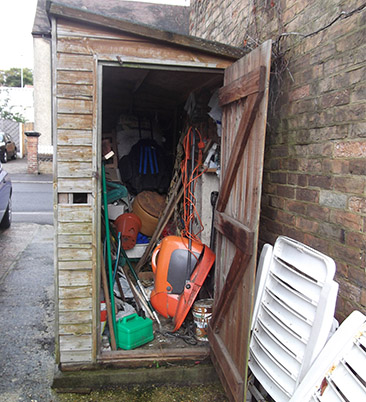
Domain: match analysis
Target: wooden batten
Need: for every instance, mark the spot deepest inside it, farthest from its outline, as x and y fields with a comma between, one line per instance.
x=79, y=106
x=139, y=358
x=72, y=153
x=75, y=91
x=75, y=169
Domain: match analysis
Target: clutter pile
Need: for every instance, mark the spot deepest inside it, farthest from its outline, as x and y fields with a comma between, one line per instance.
x=153, y=266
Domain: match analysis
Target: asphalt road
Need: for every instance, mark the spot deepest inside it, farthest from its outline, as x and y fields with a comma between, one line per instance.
x=32, y=199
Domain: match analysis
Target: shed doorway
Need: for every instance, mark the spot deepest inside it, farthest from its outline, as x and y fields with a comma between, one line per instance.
x=243, y=95
x=158, y=103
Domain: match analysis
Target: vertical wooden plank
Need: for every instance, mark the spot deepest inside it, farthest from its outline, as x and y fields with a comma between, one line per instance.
x=55, y=192
x=96, y=257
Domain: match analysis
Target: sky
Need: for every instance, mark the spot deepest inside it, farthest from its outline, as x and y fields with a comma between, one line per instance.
x=16, y=23
x=16, y=43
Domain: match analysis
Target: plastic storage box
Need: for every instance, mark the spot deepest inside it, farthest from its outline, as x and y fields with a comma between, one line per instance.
x=134, y=331
x=137, y=251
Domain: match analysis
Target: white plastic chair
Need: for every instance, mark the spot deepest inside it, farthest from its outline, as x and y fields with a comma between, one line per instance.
x=293, y=317
x=339, y=372
x=262, y=272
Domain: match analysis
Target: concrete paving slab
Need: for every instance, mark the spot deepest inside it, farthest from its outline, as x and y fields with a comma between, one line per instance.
x=13, y=242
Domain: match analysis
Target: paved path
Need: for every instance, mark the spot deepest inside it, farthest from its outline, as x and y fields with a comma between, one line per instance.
x=26, y=313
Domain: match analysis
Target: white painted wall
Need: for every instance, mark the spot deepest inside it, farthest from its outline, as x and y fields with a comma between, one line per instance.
x=42, y=90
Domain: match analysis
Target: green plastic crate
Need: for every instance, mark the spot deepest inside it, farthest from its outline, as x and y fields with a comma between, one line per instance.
x=134, y=331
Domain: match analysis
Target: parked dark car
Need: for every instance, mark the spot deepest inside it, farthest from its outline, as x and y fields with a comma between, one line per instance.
x=8, y=148
x=5, y=199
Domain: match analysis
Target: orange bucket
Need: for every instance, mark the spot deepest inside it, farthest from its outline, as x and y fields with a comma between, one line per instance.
x=129, y=225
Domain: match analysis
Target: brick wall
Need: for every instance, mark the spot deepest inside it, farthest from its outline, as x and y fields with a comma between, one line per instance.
x=32, y=152
x=314, y=186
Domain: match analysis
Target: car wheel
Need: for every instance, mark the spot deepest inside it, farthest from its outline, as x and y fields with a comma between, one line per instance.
x=15, y=154
x=5, y=157
x=6, y=222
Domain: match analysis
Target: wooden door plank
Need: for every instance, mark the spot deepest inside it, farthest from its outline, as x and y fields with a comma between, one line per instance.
x=235, y=231
x=244, y=86
x=233, y=279
x=246, y=123
x=228, y=367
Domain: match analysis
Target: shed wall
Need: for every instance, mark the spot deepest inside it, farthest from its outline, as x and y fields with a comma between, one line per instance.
x=314, y=180
x=76, y=53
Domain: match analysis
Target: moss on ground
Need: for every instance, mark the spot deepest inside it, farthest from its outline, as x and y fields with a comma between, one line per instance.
x=200, y=393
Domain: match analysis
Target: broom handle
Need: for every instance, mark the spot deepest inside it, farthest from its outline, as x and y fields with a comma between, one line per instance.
x=108, y=303
x=189, y=260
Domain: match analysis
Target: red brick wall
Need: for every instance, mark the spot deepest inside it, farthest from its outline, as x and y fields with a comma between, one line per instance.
x=314, y=186
x=32, y=155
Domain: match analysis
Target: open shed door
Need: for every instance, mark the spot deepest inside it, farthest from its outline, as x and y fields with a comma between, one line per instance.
x=244, y=99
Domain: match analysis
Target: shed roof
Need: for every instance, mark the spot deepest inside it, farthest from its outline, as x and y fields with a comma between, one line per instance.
x=166, y=17
x=144, y=30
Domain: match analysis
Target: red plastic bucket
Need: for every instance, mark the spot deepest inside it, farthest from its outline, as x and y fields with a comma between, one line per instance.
x=129, y=225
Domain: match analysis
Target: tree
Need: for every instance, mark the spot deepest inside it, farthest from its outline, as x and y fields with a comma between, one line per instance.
x=7, y=114
x=12, y=77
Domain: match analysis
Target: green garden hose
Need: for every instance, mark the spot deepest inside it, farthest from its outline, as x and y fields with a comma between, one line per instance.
x=109, y=257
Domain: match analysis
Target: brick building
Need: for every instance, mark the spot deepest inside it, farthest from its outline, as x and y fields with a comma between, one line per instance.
x=314, y=179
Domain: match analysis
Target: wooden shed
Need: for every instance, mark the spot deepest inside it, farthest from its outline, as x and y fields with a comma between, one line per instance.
x=103, y=67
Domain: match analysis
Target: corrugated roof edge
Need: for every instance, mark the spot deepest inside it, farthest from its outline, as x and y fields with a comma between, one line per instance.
x=59, y=10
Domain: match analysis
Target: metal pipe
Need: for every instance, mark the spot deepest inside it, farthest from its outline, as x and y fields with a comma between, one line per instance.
x=140, y=286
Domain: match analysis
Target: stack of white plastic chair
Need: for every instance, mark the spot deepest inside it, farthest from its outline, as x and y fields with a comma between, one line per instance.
x=292, y=316
x=263, y=266
x=339, y=372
